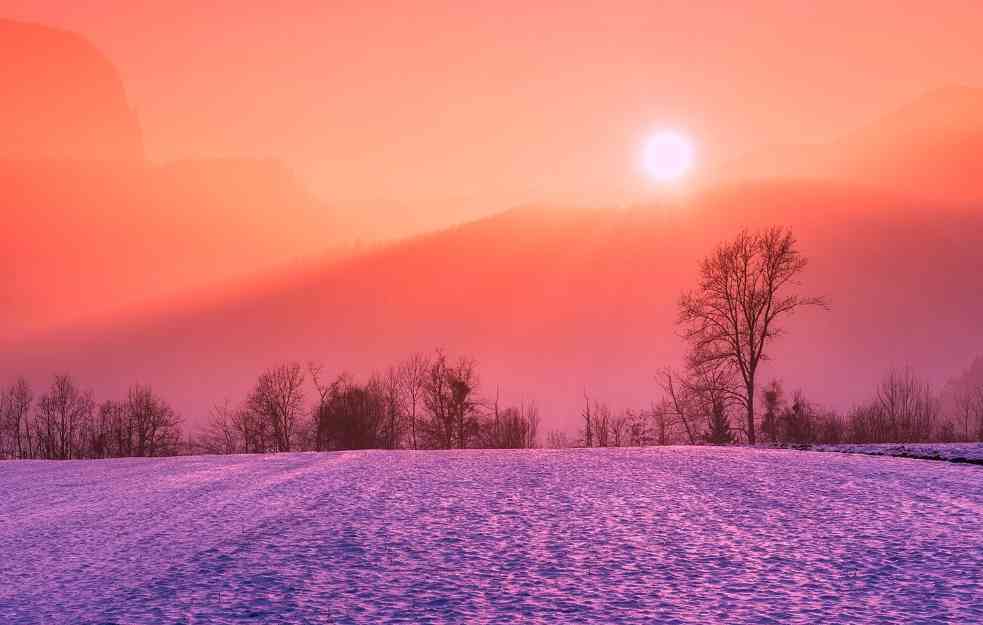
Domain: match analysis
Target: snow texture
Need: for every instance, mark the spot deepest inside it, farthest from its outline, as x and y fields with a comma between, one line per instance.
x=971, y=453
x=665, y=535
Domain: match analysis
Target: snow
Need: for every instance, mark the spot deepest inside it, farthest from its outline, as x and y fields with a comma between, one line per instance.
x=952, y=452
x=661, y=535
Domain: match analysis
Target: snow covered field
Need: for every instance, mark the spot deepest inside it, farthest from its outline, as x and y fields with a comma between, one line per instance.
x=672, y=535
x=952, y=452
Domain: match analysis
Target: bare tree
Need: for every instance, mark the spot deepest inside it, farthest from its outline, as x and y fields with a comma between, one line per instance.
x=15, y=407
x=618, y=430
x=350, y=416
x=154, y=424
x=745, y=290
x=514, y=427
x=587, y=434
x=391, y=387
x=678, y=402
x=602, y=425
x=413, y=373
x=63, y=413
x=278, y=400
x=221, y=435
x=450, y=399
x=904, y=410
x=597, y=423
x=908, y=405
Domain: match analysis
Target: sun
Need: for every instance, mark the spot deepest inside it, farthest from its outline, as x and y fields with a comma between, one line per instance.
x=668, y=156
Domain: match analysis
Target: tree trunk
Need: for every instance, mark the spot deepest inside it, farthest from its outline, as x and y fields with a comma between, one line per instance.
x=750, y=414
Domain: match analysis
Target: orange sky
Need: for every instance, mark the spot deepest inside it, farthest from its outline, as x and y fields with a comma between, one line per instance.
x=510, y=102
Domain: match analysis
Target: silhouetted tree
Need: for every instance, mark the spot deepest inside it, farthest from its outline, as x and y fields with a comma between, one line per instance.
x=909, y=406
x=904, y=410
x=277, y=403
x=15, y=431
x=451, y=403
x=587, y=433
x=413, y=374
x=390, y=386
x=142, y=425
x=744, y=292
x=618, y=430
x=350, y=416
x=63, y=413
x=597, y=424
x=154, y=426
x=798, y=422
x=514, y=427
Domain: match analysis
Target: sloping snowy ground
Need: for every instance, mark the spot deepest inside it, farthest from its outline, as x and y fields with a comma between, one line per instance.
x=671, y=535
x=953, y=452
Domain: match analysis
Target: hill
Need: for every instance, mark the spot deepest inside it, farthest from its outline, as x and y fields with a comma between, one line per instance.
x=93, y=228
x=556, y=301
x=62, y=98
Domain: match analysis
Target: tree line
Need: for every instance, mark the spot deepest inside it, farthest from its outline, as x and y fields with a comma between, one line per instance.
x=422, y=402
x=747, y=288
x=903, y=408
x=65, y=423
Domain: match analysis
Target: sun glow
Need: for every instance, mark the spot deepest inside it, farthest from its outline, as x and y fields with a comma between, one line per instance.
x=668, y=156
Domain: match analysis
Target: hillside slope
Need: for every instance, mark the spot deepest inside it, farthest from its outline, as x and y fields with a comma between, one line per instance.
x=553, y=302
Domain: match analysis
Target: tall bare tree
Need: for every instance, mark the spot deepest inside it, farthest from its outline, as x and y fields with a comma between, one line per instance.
x=15, y=407
x=747, y=286
x=413, y=379
x=63, y=413
x=390, y=388
x=587, y=435
x=278, y=399
x=597, y=421
x=154, y=424
x=449, y=395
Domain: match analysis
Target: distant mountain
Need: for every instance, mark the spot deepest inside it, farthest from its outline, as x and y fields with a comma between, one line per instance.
x=62, y=98
x=928, y=148
x=90, y=227
x=556, y=301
